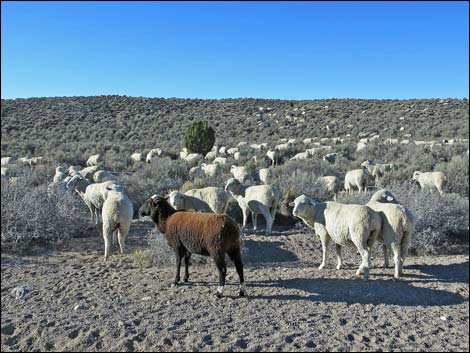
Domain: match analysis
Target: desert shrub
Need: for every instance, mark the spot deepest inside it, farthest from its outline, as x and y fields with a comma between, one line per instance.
x=199, y=138
x=32, y=216
x=142, y=258
x=457, y=174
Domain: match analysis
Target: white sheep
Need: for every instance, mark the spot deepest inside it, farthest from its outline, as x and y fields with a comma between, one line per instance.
x=343, y=224
x=256, y=199
x=94, y=160
x=137, y=157
x=220, y=160
x=6, y=160
x=196, y=172
x=431, y=180
x=117, y=215
x=59, y=174
x=274, y=156
x=102, y=175
x=232, y=151
x=155, y=152
x=211, y=155
x=331, y=183
x=223, y=151
x=180, y=201
x=378, y=170
x=193, y=158
x=242, y=174
x=397, y=227
x=216, y=198
x=73, y=170
x=184, y=153
x=301, y=156
x=88, y=172
x=211, y=170
x=356, y=179
x=265, y=175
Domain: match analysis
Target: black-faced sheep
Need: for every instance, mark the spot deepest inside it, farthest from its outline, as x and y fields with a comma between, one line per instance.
x=205, y=234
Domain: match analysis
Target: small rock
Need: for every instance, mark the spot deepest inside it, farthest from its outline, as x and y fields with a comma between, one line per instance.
x=79, y=307
x=443, y=318
x=146, y=298
x=8, y=330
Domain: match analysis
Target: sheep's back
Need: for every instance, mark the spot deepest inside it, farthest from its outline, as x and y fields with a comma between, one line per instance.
x=202, y=233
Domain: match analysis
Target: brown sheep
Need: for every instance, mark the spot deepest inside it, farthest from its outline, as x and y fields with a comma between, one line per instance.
x=200, y=233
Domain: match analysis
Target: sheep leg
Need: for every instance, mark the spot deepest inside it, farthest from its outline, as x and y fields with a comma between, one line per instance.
x=187, y=256
x=97, y=218
x=222, y=269
x=405, y=243
x=236, y=258
x=385, y=250
x=179, y=253
x=121, y=234
x=324, y=245
x=338, y=257
x=246, y=213
x=396, y=259
x=269, y=222
x=364, y=267
x=254, y=217
x=107, y=234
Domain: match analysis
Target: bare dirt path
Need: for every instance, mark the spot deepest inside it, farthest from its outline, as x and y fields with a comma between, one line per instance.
x=291, y=305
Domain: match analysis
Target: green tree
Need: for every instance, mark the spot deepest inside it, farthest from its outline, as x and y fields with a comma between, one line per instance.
x=199, y=137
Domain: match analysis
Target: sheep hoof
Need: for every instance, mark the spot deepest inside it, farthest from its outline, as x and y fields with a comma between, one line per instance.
x=185, y=280
x=321, y=267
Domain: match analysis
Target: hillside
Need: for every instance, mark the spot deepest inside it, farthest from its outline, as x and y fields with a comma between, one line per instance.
x=89, y=124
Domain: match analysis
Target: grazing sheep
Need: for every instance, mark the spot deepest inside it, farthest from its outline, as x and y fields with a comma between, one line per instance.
x=59, y=174
x=193, y=158
x=155, y=152
x=256, y=199
x=223, y=151
x=117, y=215
x=265, y=175
x=397, y=227
x=431, y=180
x=330, y=157
x=361, y=145
x=343, y=224
x=274, y=156
x=73, y=170
x=88, y=172
x=378, y=170
x=284, y=147
x=92, y=194
x=232, y=151
x=137, y=157
x=301, y=156
x=216, y=198
x=7, y=160
x=180, y=201
x=94, y=160
x=205, y=234
x=211, y=155
x=318, y=150
x=102, y=175
x=35, y=161
x=356, y=179
x=331, y=183
x=220, y=160
x=211, y=170
x=184, y=153
x=242, y=174
x=196, y=172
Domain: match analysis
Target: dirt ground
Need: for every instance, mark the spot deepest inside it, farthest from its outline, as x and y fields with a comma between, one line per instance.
x=79, y=303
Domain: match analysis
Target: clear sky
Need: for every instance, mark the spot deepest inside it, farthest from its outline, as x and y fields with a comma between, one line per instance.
x=286, y=50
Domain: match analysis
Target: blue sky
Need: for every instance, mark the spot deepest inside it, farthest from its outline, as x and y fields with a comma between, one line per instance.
x=286, y=50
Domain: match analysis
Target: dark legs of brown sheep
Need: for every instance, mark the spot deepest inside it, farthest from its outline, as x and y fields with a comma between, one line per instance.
x=180, y=253
x=236, y=257
x=222, y=268
x=187, y=256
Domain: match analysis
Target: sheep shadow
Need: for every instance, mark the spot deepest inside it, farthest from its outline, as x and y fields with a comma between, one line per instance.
x=355, y=291
x=445, y=273
x=266, y=252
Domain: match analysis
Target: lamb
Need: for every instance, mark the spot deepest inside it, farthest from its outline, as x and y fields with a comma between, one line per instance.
x=431, y=180
x=265, y=175
x=102, y=175
x=117, y=215
x=331, y=183
x=343, y=224
x=94, y=160
x=242, y=174
x=256, y=199
x=137, y=157
x=274, y=156
x=216, y=198
x=397, y=227
x=156, y=152
x=59, y=174
x=180, y=201
x=205, y=234
x=356, y=179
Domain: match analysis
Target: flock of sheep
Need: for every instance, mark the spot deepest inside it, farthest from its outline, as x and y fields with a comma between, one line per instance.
x=209, y=231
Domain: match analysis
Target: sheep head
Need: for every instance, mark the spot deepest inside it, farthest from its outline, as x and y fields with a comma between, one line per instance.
x=234, y=187
x=384, y=196
x=416, y=174
x=176, y=200
x=304, y=207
